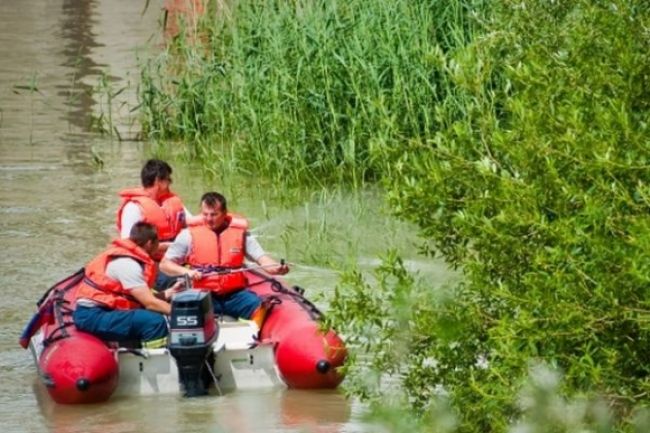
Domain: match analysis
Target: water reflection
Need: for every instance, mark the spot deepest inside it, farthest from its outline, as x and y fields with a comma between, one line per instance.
x=315, y=411
x=77, y=33
x=250, y=412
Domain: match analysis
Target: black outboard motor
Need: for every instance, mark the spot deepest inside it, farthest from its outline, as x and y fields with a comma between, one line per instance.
x=192, y=332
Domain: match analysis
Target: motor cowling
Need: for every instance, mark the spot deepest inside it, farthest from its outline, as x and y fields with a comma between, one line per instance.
x=193, y=330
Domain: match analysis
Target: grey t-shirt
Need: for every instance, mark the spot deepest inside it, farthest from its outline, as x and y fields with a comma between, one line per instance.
x=182, y=245
x=126, y=270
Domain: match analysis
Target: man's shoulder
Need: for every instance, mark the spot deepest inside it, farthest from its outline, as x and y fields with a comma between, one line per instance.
x=131, y=206
x=124, y=261
x=123, y=266
x=184, y=233
x=183, y=238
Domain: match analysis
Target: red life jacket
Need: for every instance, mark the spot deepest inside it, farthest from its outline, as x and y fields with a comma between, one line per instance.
x=215, y=252
x=98, y=287
x=167, y=214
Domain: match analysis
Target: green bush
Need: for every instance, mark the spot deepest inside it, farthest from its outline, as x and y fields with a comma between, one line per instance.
x=419, y=363
x=537, y=188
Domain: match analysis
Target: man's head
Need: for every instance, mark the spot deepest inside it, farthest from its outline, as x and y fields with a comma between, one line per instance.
x=156, y=172
x=145, y=236
x=214, y=209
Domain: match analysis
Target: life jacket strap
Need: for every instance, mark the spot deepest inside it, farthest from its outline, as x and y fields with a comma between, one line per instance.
x=95, y=286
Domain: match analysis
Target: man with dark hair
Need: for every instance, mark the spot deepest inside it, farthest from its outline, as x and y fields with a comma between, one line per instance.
x=156, y=204
x=215, y=252
x=154, y=169
x=153, y=203
x=114, y=301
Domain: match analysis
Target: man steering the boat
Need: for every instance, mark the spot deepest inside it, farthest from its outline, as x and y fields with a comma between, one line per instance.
x=215, y=251
x=154, y=203
x=114, y=301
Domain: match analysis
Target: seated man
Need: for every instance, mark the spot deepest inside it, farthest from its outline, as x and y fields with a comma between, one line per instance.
x=114, y=301
x=154, y=203
x=213, y=250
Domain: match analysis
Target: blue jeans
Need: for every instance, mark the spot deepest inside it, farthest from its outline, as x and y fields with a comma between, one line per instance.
x=120, y=325
x=241, y=303
x=164, y=281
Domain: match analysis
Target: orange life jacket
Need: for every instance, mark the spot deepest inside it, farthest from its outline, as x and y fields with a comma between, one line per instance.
x=98, y=287
x=219, y=252
x=167, y=214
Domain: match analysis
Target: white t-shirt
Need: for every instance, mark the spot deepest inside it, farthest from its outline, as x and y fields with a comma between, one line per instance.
x=132, y=214
x=127, y=271
x=180, y=248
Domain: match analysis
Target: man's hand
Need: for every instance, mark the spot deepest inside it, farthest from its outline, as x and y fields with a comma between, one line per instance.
x=173, y=269
x=271, y=266
x=278, y=269
x=178, y=286
x=193, y=274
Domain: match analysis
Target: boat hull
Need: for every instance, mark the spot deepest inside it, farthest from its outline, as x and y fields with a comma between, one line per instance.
x=79, y=369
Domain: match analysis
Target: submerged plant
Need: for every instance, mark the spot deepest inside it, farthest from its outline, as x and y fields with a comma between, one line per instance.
x=103, y=121
x=32, y=88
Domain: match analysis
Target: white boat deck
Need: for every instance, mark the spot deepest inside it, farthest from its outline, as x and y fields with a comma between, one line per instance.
x=240, y=363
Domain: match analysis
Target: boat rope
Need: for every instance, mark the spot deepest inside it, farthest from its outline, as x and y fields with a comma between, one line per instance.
x=214, y=378
x=74, y=280
x=212, y=269
x=61, y=311
x=61, y=307
x=296, y=292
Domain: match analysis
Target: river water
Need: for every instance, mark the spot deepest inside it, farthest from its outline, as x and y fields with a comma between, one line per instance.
x=59, y=177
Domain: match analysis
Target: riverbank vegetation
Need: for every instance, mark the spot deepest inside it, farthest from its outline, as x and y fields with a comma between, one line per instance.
x=514, y=134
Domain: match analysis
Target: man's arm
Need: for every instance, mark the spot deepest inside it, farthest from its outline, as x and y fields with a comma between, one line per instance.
x=176, y=254
x=129, y=273
x=173, y=269
x=144, y=296
x=256, y=253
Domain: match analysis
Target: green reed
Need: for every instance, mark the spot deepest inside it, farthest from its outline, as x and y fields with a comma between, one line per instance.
x=102, y=120
x=306, y=91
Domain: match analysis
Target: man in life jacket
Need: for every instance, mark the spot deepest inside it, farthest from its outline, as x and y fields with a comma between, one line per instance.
x=114, y=301
x=215, y=251
x=155, y=204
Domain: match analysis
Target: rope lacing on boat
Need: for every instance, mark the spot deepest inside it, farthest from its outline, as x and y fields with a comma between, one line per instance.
x=61, y=307
x=296, y=292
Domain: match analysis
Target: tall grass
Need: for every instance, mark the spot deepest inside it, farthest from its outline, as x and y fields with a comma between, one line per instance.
x=306, y=91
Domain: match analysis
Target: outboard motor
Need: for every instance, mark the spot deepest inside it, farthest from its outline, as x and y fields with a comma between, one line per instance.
x=192, y=332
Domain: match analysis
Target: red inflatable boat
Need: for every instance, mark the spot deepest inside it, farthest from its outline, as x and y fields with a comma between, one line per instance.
x=291, y=349
x=76, y=367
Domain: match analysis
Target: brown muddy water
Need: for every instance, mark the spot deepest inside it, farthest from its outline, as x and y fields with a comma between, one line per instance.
x=58, y=184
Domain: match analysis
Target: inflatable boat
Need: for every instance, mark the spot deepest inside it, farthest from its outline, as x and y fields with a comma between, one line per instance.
x=204, y=354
